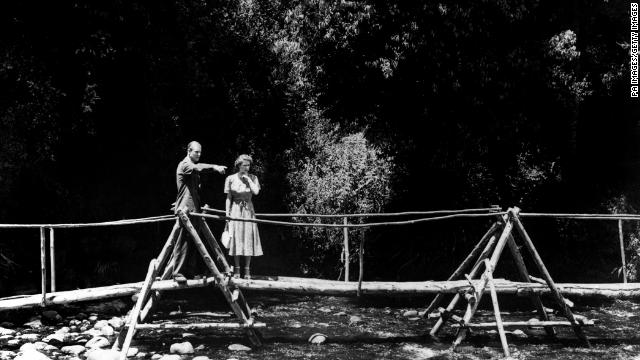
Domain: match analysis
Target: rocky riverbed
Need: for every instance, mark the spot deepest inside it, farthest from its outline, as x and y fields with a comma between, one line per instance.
x=302, y=327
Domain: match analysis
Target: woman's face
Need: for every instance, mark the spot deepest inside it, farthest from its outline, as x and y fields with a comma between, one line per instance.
x=244, y=167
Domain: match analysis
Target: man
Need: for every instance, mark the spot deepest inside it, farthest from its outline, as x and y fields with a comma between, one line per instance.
x=188, y=178
x=188, y=199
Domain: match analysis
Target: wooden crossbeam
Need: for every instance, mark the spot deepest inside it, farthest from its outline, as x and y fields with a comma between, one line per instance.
x=201, y=326
x=523, y=324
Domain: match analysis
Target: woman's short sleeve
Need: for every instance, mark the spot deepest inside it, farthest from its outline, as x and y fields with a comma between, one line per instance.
x=227, y=185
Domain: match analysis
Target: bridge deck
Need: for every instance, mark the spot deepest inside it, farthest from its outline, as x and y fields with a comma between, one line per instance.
x=327, y=287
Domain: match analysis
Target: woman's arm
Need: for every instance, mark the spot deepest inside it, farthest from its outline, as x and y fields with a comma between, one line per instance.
x=227, y=205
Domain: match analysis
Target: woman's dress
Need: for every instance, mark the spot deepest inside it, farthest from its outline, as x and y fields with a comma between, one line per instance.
x=245, y=239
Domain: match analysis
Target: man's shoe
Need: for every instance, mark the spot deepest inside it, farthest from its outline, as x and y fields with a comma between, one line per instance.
x=180, y=279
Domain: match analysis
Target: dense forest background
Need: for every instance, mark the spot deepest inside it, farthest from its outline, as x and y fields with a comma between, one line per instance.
x=346, y=106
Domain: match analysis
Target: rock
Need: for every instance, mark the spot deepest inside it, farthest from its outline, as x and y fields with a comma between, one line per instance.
x=341, y=313
x=317, y=338
x=6, y=355
x=55, y=338
x=410, y=313
x=188, y=335
x=354, y=319
x=31, y=355
x=295, y=324
x=40, y=345
x=238, y=347
x=101, y=354
x=93, y=332
x=27, y=347
x=75, y=322
x=13, y=343
x=51, y=316
x=34, y=324
x=519, y=333
x=181, y=348
x=141, y=355
x=200, y=347
x=81, y=340
x=73, y=349
x=323, y=324
x=97, y=342
x=324, y=309
x=93, y=318
x=201, y=358
x=5, y=331
x=116, y=323
x=107, y=330
x=30, y=337
x=63, y=330
x=100, y=324
x=84, y=328
x=6, y=337
x=132, y=352
x=628, y=348
x=169, y=357
x=156, y=356
x=414, y=318
x=50, y=348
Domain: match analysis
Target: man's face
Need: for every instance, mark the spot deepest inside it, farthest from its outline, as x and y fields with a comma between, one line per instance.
x=194, y=153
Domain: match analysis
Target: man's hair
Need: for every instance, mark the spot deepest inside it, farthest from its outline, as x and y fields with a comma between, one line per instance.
x=191, y=145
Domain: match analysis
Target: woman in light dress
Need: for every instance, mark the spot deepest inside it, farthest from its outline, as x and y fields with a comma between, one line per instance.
x=245, y=239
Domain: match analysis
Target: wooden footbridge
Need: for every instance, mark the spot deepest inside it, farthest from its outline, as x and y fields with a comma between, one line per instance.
x=468, y=283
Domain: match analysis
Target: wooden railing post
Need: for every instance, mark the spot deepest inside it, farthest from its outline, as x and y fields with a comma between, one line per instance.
x=622, y=256
x=43, y=266
x=345, y=233
x=52, y=259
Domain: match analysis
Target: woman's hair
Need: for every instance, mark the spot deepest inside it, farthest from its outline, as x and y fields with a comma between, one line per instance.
x=242, y=158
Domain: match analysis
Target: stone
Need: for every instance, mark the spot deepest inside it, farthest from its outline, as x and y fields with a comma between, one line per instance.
x=93, y=332
x=188, y=335
x=317, y=338
x=5, y=331
x=6, y=355
x=341, y=313
x=40, y=345
x=31, y=355
x=169, y=357
x=519, y=333
x=30, y=337
x=132, y=352
x=410, y=313
x=6, y=337
x=13, y=342
x=75, y=322
x=101, y=354
x=238, y=347
x=93, y=318
x=107, y=330
x=34, y=324
x=141, y=355
x=27, y=347
x=116, y=323
x=97, y=342
x=100, y=324
x=51, y=316
x=63, y=330
x=50, y=348
x=201, y=358
x=156, y=356
x=200, y=347
x=354, y=319
x=55, y=338
x=181, y=348
x=73, y=349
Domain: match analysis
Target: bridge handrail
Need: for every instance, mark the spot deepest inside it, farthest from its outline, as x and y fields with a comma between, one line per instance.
x=342, y=226
x=432, y=212
x=146, y=220
x=582, y=216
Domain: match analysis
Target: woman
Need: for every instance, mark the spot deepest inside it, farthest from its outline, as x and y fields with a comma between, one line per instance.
x=245, y=239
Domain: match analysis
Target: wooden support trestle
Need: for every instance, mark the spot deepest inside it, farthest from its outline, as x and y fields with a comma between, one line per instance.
x=478, y=286
x=148, y=298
